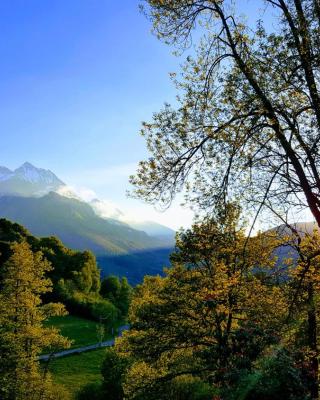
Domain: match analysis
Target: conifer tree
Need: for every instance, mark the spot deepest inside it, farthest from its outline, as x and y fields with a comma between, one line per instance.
x=22, y=335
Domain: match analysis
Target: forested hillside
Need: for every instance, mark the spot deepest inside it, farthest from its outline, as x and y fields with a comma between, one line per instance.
x=75, y=276
x=121, y=250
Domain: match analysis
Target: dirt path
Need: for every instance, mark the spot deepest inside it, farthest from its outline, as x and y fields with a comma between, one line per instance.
x=63, y=353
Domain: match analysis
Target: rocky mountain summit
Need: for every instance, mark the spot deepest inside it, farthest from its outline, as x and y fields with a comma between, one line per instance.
x=28, y=180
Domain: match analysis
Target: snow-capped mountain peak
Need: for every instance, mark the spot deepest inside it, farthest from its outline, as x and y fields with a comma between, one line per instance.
x=30, y=173
x=28, y=180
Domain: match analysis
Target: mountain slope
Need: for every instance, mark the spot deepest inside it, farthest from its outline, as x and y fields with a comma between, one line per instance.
x=121, y=249
x=301, y=227
x=40, y=201
x=287, y=251
x=30, y=181
x=75, y=223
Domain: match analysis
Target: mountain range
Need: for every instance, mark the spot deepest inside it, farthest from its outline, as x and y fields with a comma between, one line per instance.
x=28, y=180
x=32, y=197
x=37, y=199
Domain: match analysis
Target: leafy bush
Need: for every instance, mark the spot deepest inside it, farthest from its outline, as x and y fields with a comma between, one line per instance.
x=105, y=309
x=118, y=292
x=113, y=370
x=92, y=391
x=110, y=288
x=89, y=305
x=276, y=377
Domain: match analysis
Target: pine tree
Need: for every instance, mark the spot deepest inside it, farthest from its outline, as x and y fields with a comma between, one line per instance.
x=22, y=335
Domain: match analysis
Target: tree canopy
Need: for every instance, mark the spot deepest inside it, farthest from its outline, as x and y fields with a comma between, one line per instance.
x=247, y=121
x=209, y=319
x=74, y=274
x=22, y=335
x=227, y=321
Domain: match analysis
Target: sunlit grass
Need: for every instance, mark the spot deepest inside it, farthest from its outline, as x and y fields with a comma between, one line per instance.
x=82, y=331
x=75, y=371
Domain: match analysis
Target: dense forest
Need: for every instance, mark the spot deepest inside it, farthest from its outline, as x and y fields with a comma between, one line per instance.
x=74, y=275
x=40, y=279
x=228, y=321
x=224, y=323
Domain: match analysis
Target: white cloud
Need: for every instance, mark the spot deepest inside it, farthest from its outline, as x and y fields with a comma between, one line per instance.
x=109, y=185
x=175, y=217
x=77, y=192
x=107, y=209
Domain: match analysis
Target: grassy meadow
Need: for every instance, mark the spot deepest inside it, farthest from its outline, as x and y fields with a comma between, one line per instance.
x=82, y=331
x=75, y=371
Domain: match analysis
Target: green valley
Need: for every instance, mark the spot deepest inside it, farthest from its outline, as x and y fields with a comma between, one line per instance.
x=75, y=223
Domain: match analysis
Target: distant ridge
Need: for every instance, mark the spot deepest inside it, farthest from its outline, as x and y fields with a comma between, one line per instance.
x=37, y=199
x=301, y=227
x=30, y=181
x=76, y=224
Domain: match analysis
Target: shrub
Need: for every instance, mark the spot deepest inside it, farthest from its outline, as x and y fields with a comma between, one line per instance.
x=191, y=388
x=276, y=377
x=113, y=370
x=92, y=391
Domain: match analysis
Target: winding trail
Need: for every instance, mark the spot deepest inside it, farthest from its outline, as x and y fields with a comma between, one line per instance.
x=78, y=350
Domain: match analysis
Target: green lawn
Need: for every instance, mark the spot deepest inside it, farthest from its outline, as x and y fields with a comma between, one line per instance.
x=75, y=371
x=81, y=330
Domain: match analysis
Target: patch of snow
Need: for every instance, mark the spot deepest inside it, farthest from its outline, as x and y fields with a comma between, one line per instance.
x=32, y=174
x=28, y=180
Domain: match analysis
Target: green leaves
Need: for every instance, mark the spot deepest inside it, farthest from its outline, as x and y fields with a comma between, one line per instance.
x=247, y=123
x=207, y=317
x=22, y=335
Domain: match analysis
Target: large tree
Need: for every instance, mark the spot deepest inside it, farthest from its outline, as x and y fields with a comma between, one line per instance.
x=208, y=319
x=22, y=334
x=247, y=120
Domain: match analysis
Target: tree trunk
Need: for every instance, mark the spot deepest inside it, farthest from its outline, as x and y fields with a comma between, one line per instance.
x=312, y=342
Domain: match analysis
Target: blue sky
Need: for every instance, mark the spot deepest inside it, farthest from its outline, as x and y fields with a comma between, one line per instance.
x=77, y=77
